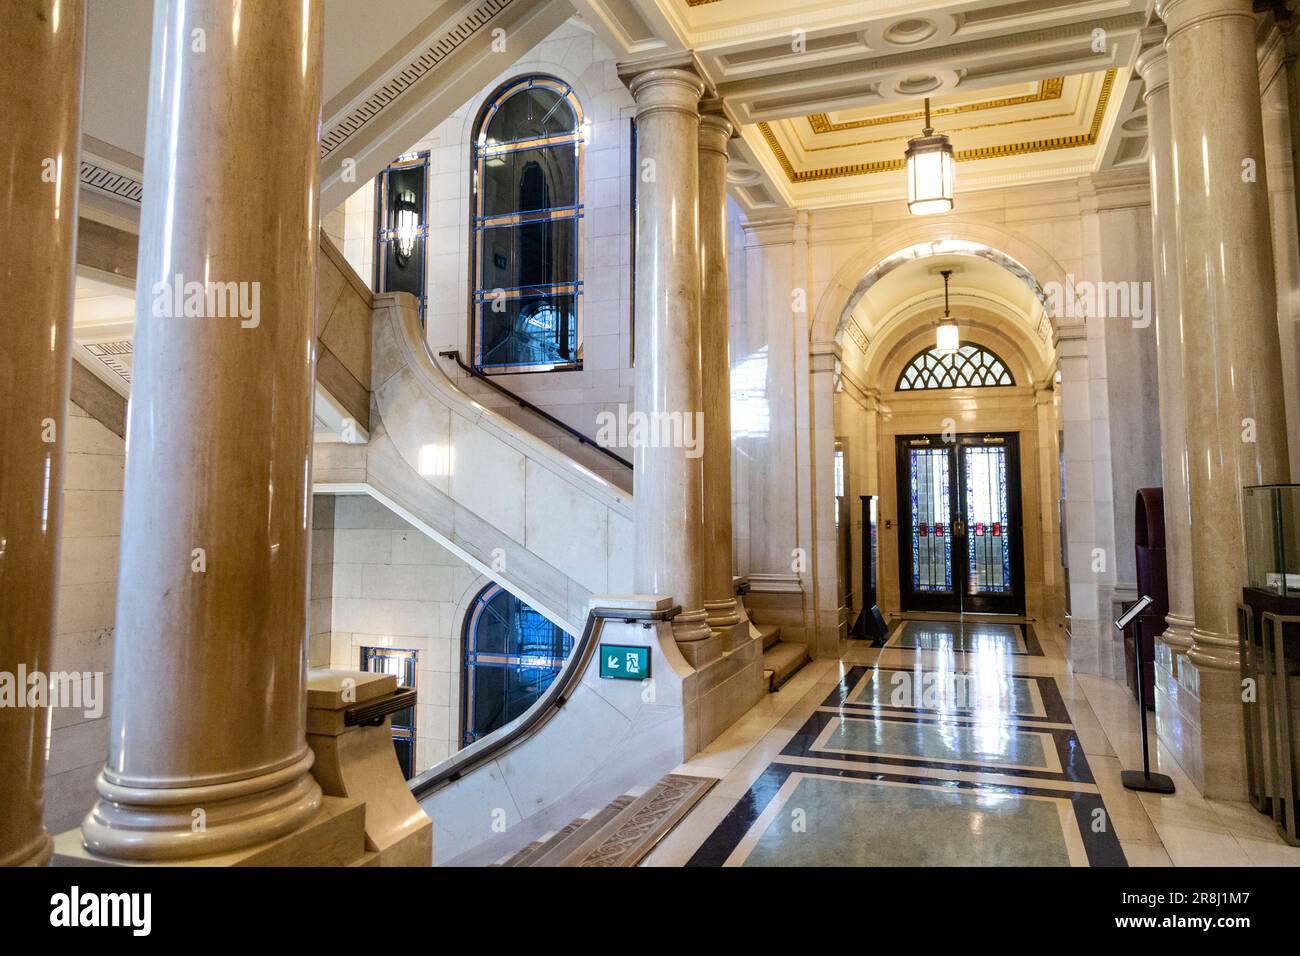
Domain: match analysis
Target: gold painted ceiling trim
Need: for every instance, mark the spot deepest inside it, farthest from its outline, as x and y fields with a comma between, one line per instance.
x=962, y=155
x=948, y=130
x=1048, y=89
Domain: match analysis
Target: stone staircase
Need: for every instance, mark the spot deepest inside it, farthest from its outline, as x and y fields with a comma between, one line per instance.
x=622, y=832
x=781, y=659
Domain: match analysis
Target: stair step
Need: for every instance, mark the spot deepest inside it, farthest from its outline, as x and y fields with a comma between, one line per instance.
x=517, y=859
x=556, y=850
x=623, y=832
x=771, y=634
x=782, y=661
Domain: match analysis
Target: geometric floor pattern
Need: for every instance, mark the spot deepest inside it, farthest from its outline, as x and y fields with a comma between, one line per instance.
x=958, y=743
x=927, y=766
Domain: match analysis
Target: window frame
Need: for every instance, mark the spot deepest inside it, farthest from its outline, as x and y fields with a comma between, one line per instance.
x=384, y=235
x=947, y=357
x=479, y=224
x=469, y=655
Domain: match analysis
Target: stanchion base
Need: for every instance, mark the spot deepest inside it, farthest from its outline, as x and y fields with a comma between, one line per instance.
x=1136, y=780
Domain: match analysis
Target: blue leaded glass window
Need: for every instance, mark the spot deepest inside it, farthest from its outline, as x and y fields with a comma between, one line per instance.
x=512, y=654
x=527, y=228
x=971, y=366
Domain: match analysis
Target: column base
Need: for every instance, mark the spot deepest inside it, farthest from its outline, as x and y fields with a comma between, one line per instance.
x=722, y=618
x=697, y=643
x=1198, y=717
x=1215, y=652
x=334, y=835
x=35, y=853
x=165, y=824
x=1178, y=633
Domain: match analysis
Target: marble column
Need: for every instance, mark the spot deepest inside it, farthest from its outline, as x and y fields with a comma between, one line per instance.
x=1233, y=408
x=207, y=746
x=1153, y=67
x=1291, y=63
x=715, y=378
x=40, y=85
x=669, y=473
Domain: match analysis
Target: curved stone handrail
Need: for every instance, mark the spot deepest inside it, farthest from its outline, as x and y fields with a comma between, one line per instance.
x=544, y=525
x=547, y=766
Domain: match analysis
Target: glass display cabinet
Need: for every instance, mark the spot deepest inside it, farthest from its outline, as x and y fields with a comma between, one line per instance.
x=1269, y=641
x=1272, y=520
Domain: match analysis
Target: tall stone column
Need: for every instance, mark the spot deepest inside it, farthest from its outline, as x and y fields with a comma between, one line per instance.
x=669, y=473
x=207, y=746
x=1236, y=432
x=40, y=85
x=1153, y=67
x=715, y=378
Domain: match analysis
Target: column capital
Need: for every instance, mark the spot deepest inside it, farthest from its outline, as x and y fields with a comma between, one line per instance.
x=674, y=81
x=1179, y=15
x=1153, y=62
x=715, y=133
x=666, y=89
x=771, y=228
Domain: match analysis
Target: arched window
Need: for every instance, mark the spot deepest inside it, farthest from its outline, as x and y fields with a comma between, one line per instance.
x=971, y=366
x=512, y=653
x=527, y=228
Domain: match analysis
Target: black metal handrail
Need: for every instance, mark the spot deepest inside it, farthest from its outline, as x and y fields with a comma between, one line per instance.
x=543, y=709
x=477, y=373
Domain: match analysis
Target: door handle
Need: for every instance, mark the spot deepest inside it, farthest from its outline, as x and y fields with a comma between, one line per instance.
x=959, y=529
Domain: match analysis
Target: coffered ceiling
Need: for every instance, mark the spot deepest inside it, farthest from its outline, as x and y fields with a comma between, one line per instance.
x=827, y=92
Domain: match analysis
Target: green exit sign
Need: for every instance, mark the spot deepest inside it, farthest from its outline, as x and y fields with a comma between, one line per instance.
x=624, y=662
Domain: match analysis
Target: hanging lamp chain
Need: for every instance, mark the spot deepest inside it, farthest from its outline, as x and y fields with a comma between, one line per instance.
x=929, y=130
x=945, y=273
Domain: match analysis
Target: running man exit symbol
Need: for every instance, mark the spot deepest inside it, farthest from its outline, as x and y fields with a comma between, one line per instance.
x=620, y=662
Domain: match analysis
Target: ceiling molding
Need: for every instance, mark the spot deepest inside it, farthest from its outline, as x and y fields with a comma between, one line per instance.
x=1048, y=89
x=810, y=84
x=117, y=185
x=402, y=77
x=1025, y=147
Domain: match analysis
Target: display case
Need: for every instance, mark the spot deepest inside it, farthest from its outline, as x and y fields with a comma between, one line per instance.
x=1269, y=642
x=1272, y=523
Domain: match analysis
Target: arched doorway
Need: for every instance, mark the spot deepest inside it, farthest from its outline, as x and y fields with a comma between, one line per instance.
x=959, y=450
x=960, y=525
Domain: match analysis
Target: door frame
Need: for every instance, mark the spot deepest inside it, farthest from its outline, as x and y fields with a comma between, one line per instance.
x=959, y=601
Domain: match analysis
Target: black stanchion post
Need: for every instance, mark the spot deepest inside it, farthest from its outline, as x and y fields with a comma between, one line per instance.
x=1146, y=780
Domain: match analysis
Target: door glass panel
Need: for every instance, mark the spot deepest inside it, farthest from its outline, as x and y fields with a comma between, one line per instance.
x=988, y=541
x=931, y=534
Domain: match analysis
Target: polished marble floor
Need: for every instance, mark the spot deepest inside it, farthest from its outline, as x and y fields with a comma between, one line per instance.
x=958, y=743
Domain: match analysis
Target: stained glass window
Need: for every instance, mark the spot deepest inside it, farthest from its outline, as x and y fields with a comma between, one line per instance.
x=527, y=228
x=931, y=537
x=971, y=366
x=988, y=542
x=512, y=653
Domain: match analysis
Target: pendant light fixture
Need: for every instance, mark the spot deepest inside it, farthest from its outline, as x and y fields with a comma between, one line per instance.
x=929, y=171
x=946, y=339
